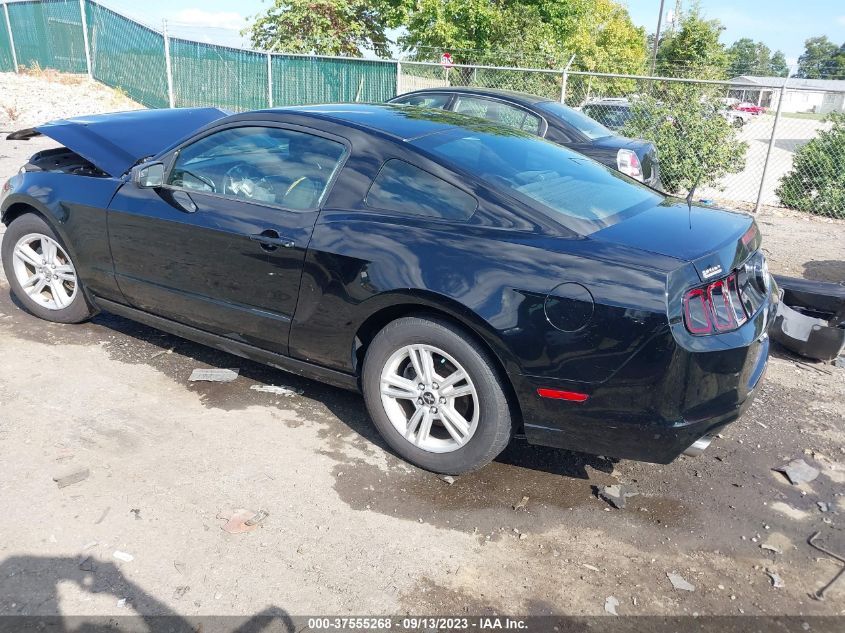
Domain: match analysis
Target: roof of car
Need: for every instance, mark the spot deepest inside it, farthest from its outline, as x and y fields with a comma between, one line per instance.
x=402, y=122
x=518, y=97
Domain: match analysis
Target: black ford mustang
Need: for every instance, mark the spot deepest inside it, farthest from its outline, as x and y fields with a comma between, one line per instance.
x=472, y=280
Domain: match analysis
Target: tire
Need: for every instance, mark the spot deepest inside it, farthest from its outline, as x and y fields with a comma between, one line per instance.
x=453, y=444
x=61, y=298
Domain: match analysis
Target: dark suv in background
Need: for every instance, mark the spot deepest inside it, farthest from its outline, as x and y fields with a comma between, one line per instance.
x=549, y=119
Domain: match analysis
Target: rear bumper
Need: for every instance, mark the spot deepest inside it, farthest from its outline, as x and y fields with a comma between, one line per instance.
x=658, y=405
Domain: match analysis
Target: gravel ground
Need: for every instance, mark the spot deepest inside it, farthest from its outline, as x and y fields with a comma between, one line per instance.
x=354, y=530
x=30, y=99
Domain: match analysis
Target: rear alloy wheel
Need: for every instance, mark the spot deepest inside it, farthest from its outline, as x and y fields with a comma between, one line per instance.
x=435, y=396
x=41, y=273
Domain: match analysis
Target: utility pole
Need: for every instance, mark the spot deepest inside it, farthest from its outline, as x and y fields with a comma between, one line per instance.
x=656, y=39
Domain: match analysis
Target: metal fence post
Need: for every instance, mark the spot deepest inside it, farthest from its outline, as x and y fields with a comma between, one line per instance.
x=398, y=75
x=11, y=38
x=85, y=38
x=771, y=145
x=168, y=66
x=565, y=80
x=269, y=80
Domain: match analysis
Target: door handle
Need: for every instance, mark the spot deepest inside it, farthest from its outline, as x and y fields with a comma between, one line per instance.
x=270, y=240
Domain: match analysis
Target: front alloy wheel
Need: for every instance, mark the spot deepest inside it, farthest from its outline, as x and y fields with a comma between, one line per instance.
x=44, y=271
x=41, y=273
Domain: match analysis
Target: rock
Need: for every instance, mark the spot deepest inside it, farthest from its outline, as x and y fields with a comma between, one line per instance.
x=798, y=472
x=824, y=506
x=615, y=495
x=771, y=548
x=448, y=479
x=777, y=581
x=678, y=582
x=610, y=605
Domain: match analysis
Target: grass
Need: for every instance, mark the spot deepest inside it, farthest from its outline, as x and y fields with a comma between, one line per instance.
x=798, y=115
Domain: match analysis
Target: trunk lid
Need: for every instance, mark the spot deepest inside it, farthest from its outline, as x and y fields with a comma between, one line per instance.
x=115, y=142
x=715, y=241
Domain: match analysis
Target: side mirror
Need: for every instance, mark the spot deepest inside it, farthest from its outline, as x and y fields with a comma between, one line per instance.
x=149, y=175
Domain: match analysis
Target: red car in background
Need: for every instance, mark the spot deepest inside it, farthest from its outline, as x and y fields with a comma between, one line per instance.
x=750, y=108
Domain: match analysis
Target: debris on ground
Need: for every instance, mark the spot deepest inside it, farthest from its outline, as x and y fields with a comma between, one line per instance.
x=798, y=472
x=161, y=353
x=126, y=558
x=448, y=479
x=616, y=494
x=678, y=582
x=279, y=391
x=72, y=478
x=824, y=506
x=242, y=520
x=103, y=516
x=610, y=605
x=88, y=564
x=136, y=512
x=777, y=581
x=819, y=594
x=590, y=567
x=772, y=548
x=214, y=375
x=522, y=503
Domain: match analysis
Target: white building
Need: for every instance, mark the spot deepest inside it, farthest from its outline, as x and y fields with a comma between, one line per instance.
x=801, y=95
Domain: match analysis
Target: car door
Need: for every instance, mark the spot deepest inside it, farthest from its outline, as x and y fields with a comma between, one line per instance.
x=220, y=244
x=500, y=112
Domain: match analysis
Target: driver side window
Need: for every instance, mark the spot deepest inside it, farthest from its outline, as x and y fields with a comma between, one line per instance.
x=259, y=164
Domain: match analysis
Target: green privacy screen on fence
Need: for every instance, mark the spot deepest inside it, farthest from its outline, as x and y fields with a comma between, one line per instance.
x=48, y=35
x=127, y=55
x=131, y=56
x=209, y=75
x=306, y=80
x=6, y=60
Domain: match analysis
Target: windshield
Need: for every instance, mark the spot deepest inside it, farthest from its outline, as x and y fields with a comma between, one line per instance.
x=586, y=196
x=580, y=121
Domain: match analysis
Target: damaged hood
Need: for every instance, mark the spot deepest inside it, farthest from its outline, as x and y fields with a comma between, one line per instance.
x=115, y=142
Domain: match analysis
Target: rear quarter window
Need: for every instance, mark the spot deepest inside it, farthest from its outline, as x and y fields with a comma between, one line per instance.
x=405, y=189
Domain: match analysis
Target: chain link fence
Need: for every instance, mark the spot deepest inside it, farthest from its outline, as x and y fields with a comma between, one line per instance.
x=748, y=143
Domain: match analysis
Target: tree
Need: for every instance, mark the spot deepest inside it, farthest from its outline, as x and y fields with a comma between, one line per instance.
x=778, y=66
x=816, y=183
x=748, y=57
x=599, y=32
x=325, y=27
x=694, y=142
x=821, y=59
x=694, y=49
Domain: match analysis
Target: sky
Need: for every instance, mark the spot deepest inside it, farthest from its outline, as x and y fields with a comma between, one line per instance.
x=780, y=24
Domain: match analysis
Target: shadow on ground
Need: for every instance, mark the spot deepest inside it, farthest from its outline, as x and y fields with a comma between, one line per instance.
x=31, y=585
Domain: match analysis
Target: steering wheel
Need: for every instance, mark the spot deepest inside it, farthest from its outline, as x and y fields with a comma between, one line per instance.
x=245, y=181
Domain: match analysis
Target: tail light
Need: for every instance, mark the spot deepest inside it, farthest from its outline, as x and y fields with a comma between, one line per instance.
x=725, y=304
x=628, y=163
